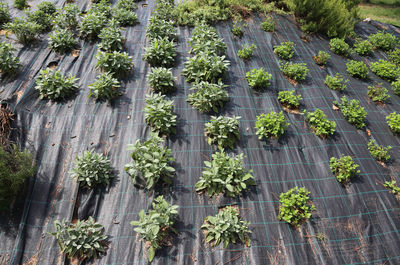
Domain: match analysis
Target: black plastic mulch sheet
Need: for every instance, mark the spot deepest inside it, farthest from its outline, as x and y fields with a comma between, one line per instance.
x=353, y=225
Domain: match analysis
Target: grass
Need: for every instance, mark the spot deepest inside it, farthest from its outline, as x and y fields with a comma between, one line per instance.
x=386, y=11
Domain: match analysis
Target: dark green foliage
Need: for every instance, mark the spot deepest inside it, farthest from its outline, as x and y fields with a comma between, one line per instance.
x=336, y=82
x=396, y=86
x=226, y=227
x=20, y=4
x=223, y=131
x=105, y=87
x=159, y=113
x=44, y=20
x=5, y=15
x=208, y=96
x=352, y=111
x=161, y=80
x=160, y=29
x=225, y=174
x=205, y=39
x=289, y=99
x=92, y=24
x=47, y=7
x=15, y=167
x=383, y=40
x=394, y=56
x=378, y=93
x=363, y=47
x=9, y=63
x=258, y=78
x=318, y=122
x=272, y=124
x=111, y=39
x=246, y=52
x=339, y=46
x=126, y=4
x=295, y=71
x=52, y=85
x=237, y=30
x=155, y=226
x=393, y=121
x=83, y=240
x=379, y=152
x=62, y=41
x=25, y=31
x=125, y=17
x=150, y=162
x=385, y=69
x=322, y=58
x=357, y=69
x=294, y=206
x=205, y=67
x=67, y=17
x=117, y=63
x=161, y=52
x=268, y=24
x=285, y=50
x=344, y=168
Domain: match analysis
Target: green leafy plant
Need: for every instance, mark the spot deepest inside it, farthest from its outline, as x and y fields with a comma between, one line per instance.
x=111, y=39
x=363, y=47
x=294, y=206
x=156, y=226
x=394, y=56
x=9, y=63
x=52, y=85
x=322, y=58
x=117, y=63
x=258, y=78
x=25, y=31
x=92, y=169
x=383, y=40
x=40, y=17
x=5, y=15
x=92, y=24
x=289, y=99
x=161, y=52
x=205, y=39
x=393, y=187
x=393, y=120
x=67, y=17
x=246, y=52
x=396, y=86
x=101, y=7
x=126, y=4
x=47, y=7
x=62, y=41
x=357, y=69
x=105, y=87
x=226, y=227
x=318, y=122
x=150, y=162
x=285, y=50
x=222, y=130
x=352, y=111
x=224, y=174
x=378, y=93
x=83, y=239
x=208, y=96
x=379, y=152
x=339, y=46
x=385, y=69
x=159, y=113
x=295, y=71
x=160, y=29
x=268, y=24
x=20, y=4
x=125, y=17
x=205, y=67
x=237, y=30
x=344, y=168
x=161, y=80
x=272, y=124
x=336, y=82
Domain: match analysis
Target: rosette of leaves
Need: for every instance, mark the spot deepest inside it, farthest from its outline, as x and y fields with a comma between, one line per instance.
x=357, y=69
x=62, y=41
x=205, y=39
x=383, y=40
x=272, y=124
x=159, y=114
x=105, y=87
x=339, y=46
x=393, y=121
x=378, y=93
x=318, y=122
x=225, y=174
x=222, y=130
x=322, y=58
x=160, y=29
x=396, y=86
x=352, y=111
x=125, y=17
x=295, y=71
x=111, y=39
x=92, y=24
x=26, y=31
x=394, y=56
x=92, y=169
x=258, y=78
x=285, y=50
x=208, y=96
x=67, y=17
x=83, y=239
x=336, y=82
x=289, y=99
x=156, y=226
x=5, y=15
x=246, y=52
x=117, y=63
x=53, y=85
x=226, y=227
x=268, y=24
x=294, y=206
x=379, y=152
x=205, y=67
x=385, y=69
x=344, y=168
x=161, y=80
x=151, y=162
x=363, y=47
x=161, y=52
x=9, y=64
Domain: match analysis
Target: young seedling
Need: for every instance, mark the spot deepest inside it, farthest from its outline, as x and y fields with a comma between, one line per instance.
x=161, y=52
x=322, y=58
x=161, y=80
x=385, y=70
x=378, y=93
x=116, y=63
x=396, y=86
x=394, y=56
x=62, y=41
x=352, y=111
x=208, y=97
x=237, y=30
x=285, y=50
x=268, y=24
x=393, y=187
x=205, y=67
x=344, y=168
x=288, y=99
x=9, y=64
x=379, y=152
x=52, y=85
x=336, y=82
x=223, y=131
x=159, y=114
x=25, y=31
x=339, y=46
x=258, y=78
x=393, y=121
x=318, y=122
x=111, y=39
x=246, y=53
x=272, y=124
x=357, y=69
x=205, y=39
x=295, y=71
x=363, y=47
x=106, y=87
x=5, y=15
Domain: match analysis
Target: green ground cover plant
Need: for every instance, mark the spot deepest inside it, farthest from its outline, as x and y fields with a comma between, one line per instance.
x=161, y=52
x=393, y=187
x=246, y=52
x=344, y=168
x=159, y=114
x=258, y=78
x=116, y=63
x=336, y=82
x=223, y=131
x=20, y=4
x=111, y=39
x=363, y=47
x=106, y=87
x=383, y=40
x=352, y=111
x=318, y=122
x=161, y=80
x=396, y=86
x=394, y=56
x=357, y=69
x=92, y=24
x=208, y=96
x=379, y=152
x=385, y=69
x=25, y=31
x=268, y=24
x=160, y=29
x=62, y=41
x=237, y=30
x=53, y=85
x=289, y=99
x=5, y=15
x=205, y=39
x=295, y=71
x=339, y=46
x=67, y=17
x=322, y=58
x=125, y=17
x=393, y=121
x=272, y=124
x=285, y=50
x=378, y=93
x=9, y=64
x=205, y=67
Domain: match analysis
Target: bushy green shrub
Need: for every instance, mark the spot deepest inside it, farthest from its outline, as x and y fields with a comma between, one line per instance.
x=62, y=40
x=226, y=227
x=92, y=24
x=25, y=31
x=150, y=162
x=258, y=78
x=396, y=86
x=155, y=226
x=352, y=111
x=294, y=206
x=222, y=130
x=394, y=56
x=111, y=39
x=47, y=7
x=285, y=50
x=344, y=168
x=205, y=67
x=205, y=39
x=237, y=30
x=20, y=4
x=117, y=63
x=52, y=85
x=125, y=17
x=379, y=152
x=339, y=46
x=322, y=58
x=161, y=52
x=102, y=6
x=5, y=15
x=126, y=4
x=83, y=239
x=40, y=17
x=318, y=122
x=105, y=87
x=225, y=174
x=378, y=93
x=268, y=24
x=160, y=29
x=159, y=113
x=295, y=71
x=161, y=80
x=247, y=51
x=208, y=96
x=363, y=47
x=393, y=121
x=357, y=69
x=272, y=124
x=289, y=99
x=9, y=63
x=67, y=17
x=385, y=69
x=393, y=187
x=383, y=40
x=336, y=82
